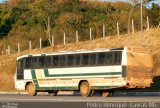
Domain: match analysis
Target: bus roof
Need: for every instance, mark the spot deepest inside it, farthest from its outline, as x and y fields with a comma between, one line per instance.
x=74, y=52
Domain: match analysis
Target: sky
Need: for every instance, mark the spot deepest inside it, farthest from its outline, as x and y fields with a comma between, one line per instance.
x=1, y=1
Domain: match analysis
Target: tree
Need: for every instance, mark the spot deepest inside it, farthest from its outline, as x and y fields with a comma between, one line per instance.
x=133, y=4
x=154, y=14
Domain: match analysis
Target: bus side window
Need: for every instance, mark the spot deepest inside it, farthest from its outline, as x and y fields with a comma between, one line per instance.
x=101, y=58
x=92, y=59
x=85, y=59
x=117, y=58
x=70, y=61
x=28, y=63
x=62, y=61
x=41, y=62
x=48, y=61
x=77, y=60
x=55, y=60
x=34, y=62
x=109, y=58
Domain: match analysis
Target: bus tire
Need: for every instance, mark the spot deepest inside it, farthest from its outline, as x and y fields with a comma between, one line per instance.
x=85, y=90
x=105, y=93
x=31, y=89
x=52, y=93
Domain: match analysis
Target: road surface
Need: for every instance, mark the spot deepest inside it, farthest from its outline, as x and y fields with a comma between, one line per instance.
x=76, y=101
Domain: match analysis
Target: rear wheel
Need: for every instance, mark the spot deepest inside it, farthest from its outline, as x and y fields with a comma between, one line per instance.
x=52, y=93
x=85, y=90
x=31, y=89
x=105, y=93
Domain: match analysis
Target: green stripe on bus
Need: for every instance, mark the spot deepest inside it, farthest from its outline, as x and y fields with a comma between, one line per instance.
x=46, y=72
x=34, y=77
x=37, y=87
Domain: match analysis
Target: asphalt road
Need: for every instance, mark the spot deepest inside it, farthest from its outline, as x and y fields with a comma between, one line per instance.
x=123, y=100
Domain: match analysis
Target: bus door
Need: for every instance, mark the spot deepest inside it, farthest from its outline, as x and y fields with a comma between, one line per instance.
x=20, y=69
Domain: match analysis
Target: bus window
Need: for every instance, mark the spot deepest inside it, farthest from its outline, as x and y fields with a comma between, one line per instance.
x=20, y=69
x=70, y=61
x=101, y=58
x=62, y=60
x=117, y=57
x=34, y=62
x=28, y=63
x=48, y=62
x=109, y=58
x=41, y=62
x=20, y=64
x=55, y=60
x=85, y=59
x=92, y=59
x=77, y=59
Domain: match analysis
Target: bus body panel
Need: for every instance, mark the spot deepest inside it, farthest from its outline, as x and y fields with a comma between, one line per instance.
x=139, y=68
x=134, y=70
x=103, y=76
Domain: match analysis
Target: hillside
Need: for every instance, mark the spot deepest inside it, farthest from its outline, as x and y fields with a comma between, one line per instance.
x=151, y=41
x=28, y=20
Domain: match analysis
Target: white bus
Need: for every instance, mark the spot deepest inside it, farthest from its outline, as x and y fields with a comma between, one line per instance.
x=85, y=70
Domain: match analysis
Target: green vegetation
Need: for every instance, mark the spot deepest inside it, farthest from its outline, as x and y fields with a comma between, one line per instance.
x=25, y=20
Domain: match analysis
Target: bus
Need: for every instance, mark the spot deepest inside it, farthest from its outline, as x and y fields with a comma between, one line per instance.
x=85, y=71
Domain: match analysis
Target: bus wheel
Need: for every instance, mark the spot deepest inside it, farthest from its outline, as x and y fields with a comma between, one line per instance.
x=85, y=90
x=31, y=90
x=52, y=93
x=105, y=93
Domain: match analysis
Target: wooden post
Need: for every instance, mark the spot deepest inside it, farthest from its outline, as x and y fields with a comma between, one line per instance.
x=117, y=29
x=158, y=25
x=76, y=36
x=52, y=40
x=90, y=33
x=104, y=31
x=19, y=50
x=132, y=26
x=30, y=45
x=147, y=23
x=9, y=50
x=49, y=31
x=64, y=38
x=40, y=43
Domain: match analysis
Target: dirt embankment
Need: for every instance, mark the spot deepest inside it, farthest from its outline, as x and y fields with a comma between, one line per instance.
x=151, y=41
